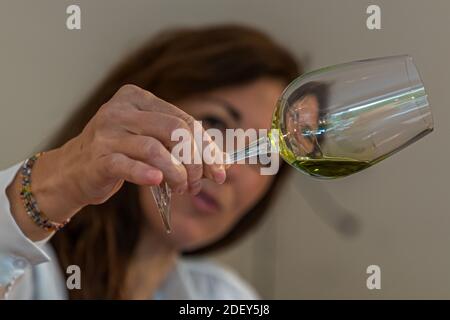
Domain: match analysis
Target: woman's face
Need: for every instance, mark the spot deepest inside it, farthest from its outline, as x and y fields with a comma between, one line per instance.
x=204, y=218
x=306, y=111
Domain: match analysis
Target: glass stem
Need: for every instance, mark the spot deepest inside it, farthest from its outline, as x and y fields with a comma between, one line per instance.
x=258, y=147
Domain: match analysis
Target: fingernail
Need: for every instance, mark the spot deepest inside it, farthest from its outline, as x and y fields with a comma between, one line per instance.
x=220, y=175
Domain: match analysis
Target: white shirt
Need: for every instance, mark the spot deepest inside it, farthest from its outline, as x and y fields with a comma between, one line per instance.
x=30, y=269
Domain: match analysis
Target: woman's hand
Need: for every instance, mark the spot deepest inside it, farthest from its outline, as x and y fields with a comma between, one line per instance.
x=129, y=139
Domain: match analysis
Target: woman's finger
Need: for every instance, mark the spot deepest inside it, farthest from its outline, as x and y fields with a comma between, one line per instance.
x=152, y=152
x=119, y=166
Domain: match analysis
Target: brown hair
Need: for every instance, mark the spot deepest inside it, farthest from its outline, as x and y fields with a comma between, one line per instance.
x=176, y=64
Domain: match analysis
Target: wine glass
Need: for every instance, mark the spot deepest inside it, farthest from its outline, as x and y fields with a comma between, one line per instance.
x=341, y=119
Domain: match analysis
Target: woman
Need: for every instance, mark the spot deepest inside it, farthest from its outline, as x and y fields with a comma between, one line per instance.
x=98, y=171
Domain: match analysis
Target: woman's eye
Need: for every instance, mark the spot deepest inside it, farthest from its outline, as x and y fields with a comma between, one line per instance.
x=214, y=123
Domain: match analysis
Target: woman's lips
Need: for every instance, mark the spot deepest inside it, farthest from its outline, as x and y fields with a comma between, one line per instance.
x=206, y=203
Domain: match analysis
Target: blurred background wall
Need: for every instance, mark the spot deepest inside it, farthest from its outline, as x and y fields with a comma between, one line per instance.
x=320, y=236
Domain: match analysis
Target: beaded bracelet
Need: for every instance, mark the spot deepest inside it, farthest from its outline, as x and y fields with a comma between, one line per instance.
x=29, y=201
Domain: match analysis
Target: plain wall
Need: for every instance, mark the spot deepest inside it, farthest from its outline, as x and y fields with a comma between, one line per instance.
x=401, y=205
